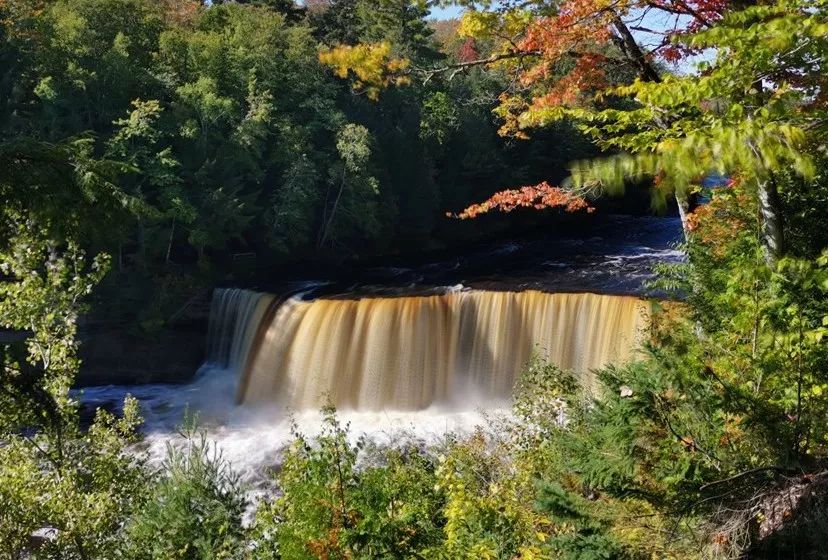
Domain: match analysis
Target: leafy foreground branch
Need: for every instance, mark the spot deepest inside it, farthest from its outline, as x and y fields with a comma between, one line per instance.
x=64, y=492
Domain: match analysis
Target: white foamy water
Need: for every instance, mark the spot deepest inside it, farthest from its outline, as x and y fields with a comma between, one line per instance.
x=253, y=439
x=446, y=355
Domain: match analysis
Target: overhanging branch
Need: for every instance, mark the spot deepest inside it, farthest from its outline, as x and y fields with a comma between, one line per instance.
x=461, y=66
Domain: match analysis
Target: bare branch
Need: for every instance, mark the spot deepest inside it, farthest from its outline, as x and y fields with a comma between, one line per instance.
x=460, y=66
x=744, y=474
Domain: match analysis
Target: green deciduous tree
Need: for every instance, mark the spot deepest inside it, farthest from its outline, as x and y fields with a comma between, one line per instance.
x=331, y=507
x=75, y=487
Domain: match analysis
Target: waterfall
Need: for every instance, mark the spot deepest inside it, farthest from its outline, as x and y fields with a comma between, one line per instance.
x=408, y=353
x=235, y=316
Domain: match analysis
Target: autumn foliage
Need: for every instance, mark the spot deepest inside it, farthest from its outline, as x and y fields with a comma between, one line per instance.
x=565, y=59
x=719, y=224
x=372, y=66
x=538, y=197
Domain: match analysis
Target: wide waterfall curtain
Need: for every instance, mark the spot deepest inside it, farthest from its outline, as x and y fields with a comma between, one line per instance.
x=412, y=352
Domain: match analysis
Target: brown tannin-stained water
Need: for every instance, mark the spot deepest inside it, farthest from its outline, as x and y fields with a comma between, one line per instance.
x=411, y=352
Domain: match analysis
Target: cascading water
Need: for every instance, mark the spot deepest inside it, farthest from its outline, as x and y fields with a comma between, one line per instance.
x=234, y=318
x=408, y=353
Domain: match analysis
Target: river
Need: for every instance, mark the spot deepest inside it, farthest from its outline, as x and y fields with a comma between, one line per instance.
x=406, y=350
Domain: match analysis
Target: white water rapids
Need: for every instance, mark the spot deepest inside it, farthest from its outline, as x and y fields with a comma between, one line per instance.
x=252, y=438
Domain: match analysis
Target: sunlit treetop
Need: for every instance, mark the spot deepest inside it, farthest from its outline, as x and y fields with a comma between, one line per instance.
x=568, y=59
x=754, y=105
x=371, y=66
x=567, y=54
x=755, y=102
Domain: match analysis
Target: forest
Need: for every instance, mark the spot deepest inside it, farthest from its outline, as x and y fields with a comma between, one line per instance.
x=210, y=136
x=151, y=150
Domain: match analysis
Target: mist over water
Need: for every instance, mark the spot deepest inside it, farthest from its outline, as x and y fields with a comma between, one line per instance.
x=253, y=437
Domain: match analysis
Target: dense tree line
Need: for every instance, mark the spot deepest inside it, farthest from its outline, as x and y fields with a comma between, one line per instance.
x=214, y=131
x=227, y=135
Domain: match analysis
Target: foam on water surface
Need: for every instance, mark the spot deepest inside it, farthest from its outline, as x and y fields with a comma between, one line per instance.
x=252, y=438
x=436, y=357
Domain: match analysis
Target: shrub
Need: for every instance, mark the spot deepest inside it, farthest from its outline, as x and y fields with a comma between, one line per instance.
x=331, y=508
x=194, y=509
x=78, y=488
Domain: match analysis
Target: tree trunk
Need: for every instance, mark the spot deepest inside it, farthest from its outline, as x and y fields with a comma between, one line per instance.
x=323, y=235
x=770, y=208
x=142, y=244
x=684, y=209
x=628, y=45
x=170, y=243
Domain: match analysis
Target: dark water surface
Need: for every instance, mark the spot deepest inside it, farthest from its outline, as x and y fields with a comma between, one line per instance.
x=615, y=256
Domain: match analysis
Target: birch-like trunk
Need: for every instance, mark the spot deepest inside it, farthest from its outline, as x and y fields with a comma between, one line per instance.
x=773, y=227
x=684, y=209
